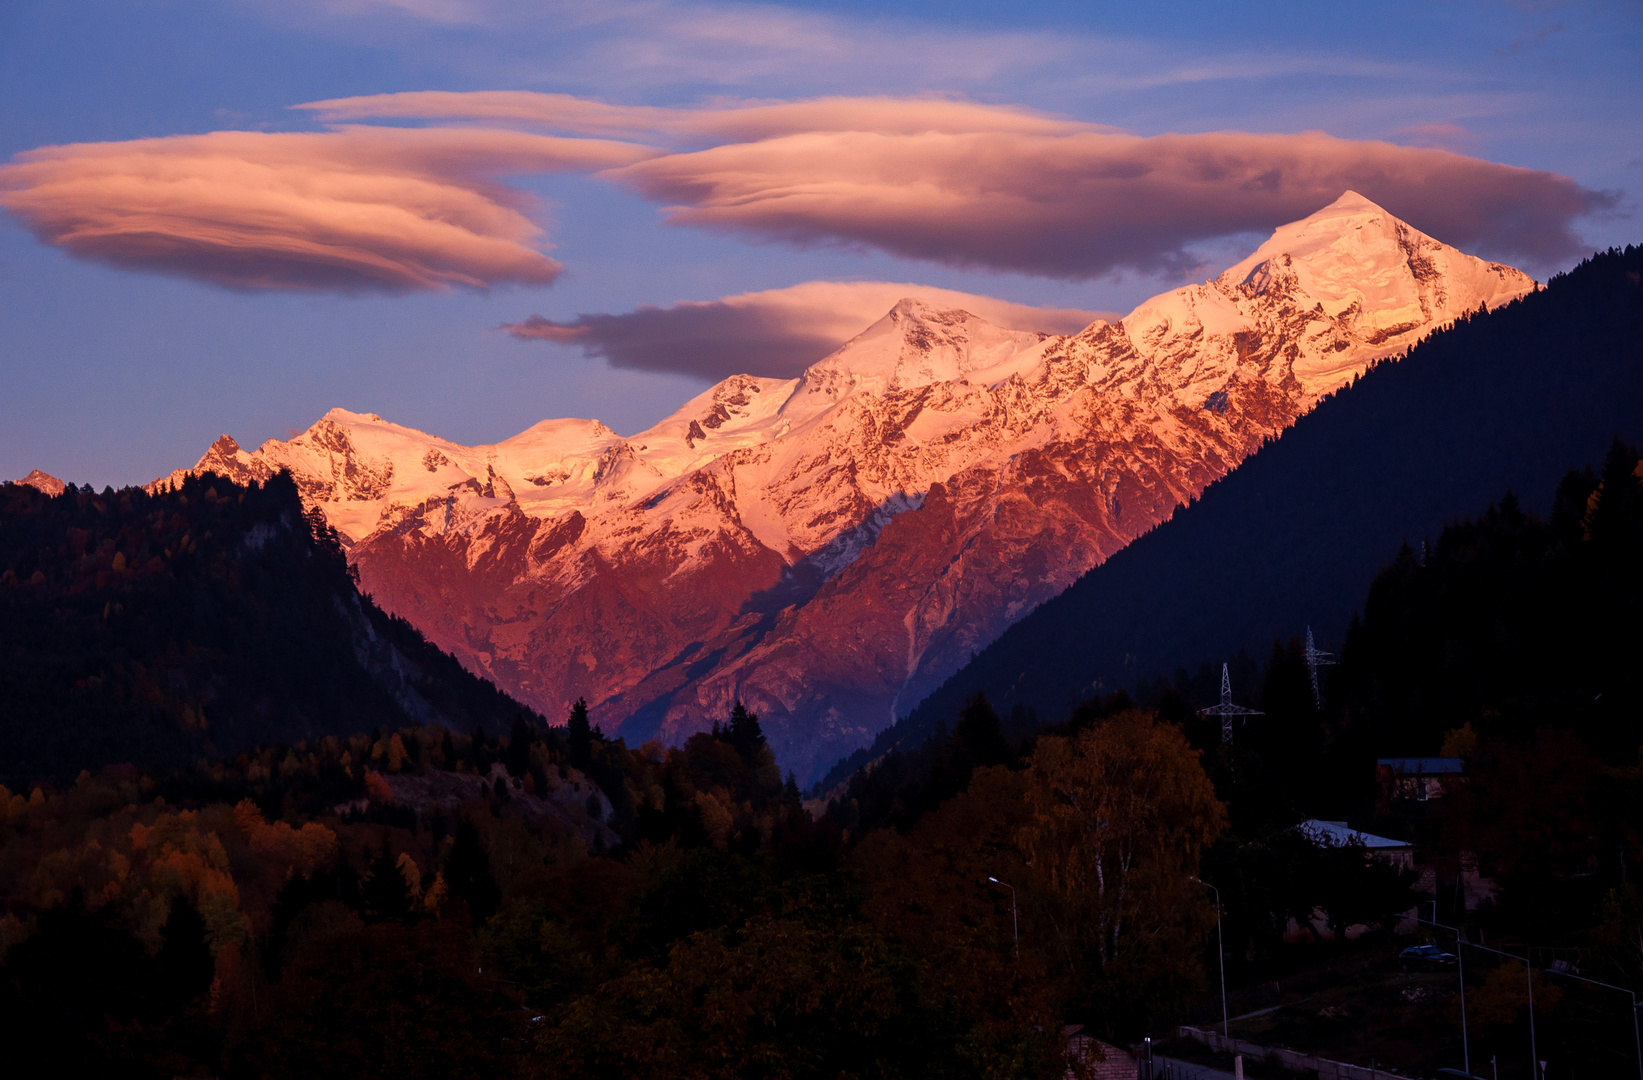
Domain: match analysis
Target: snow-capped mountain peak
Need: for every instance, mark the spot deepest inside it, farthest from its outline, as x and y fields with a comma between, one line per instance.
x=827, y=549
x=1349, y=284
x=1360, y=262
x=916, y=344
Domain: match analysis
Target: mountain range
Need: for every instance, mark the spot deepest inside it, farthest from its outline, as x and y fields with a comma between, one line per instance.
x=830, y=549
x=1502, y=402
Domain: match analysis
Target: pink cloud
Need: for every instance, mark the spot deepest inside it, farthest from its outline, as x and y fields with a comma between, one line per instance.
x=562, y=112
x=739, y=122
x=948, y=181
x=1006, y=188
x=356, y=208
x=1088, y=203
x=776, y=332
x=1443, y=136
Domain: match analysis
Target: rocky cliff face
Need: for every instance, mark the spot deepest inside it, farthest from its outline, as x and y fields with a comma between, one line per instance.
x=43, y=481
x=829, y=548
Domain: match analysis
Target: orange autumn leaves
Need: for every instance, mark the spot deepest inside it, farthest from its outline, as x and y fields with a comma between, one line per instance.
x=1100, y=836
x=301, y=851
x=142, y=859
x=186, y=860
x=1121, y=813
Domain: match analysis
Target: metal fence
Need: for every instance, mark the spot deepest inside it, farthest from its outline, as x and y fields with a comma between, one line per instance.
x=1166, y=1069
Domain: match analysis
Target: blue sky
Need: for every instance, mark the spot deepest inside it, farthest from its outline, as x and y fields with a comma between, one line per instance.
x=119, y=374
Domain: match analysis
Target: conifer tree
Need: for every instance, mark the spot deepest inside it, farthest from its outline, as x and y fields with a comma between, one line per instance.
x=743, y=733
x=386, y=893
x=184, y=960
x=978, y=733
x=518, y=756
x=468, y=873
x=579, y=735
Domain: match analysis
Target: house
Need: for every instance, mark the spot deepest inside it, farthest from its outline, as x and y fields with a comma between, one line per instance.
x=1414, y=788
x=1100, y=1060
x=1417, y=779
x=1397, y=853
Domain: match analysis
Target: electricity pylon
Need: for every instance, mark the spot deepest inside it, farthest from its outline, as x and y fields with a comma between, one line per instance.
x=1227, y=710
x=1315, y=659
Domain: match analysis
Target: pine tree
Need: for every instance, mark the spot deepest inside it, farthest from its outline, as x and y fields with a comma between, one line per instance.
x=743, y=733
x=386, y=894
x=579, y=735
x=468, y=873
x=978, y=734
x=184, y=961
x=518, y=756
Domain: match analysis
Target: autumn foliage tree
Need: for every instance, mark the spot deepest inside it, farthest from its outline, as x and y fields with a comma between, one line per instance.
x=1121, y=813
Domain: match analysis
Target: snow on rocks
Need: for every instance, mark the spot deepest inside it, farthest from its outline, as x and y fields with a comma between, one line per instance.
x=829, y=548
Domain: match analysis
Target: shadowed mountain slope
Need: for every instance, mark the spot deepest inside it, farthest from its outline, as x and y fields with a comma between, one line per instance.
x=153, y=628
x=1502, y=400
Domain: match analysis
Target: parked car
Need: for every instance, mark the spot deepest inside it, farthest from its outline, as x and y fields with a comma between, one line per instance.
x=1426, y=958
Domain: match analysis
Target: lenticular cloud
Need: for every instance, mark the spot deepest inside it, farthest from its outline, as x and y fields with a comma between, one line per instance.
x=775, y=332
x=950, y=182
x=347, y=210
x=1007, y=188
x=1089, y=203
x=740, y=123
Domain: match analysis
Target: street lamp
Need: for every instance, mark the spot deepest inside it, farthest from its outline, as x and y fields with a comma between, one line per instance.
x=1460, y=964
x=1529, y=970
x=1637, y=1039
x=1015, y=922
x=1220, y=953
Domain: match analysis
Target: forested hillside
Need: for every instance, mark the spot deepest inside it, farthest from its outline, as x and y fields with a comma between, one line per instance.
x=256, y=828
x=1509, y=642
x=421, y=902
x=1502, y=401
x=151, y=628
x=413, y=903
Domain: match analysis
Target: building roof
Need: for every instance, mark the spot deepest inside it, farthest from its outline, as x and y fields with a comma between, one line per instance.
x=1424, y=766
x=1339, y=833
x=1115, y=1062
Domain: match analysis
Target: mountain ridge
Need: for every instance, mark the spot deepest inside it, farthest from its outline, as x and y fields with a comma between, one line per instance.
x=1471, y=412
x=154, y=628
x=831, y=547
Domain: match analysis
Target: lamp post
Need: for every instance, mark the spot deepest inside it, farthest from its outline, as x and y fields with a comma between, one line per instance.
x=1015, y=922
x=1637, y=1038
x=1220, y=953
x=1528, y=966
x=1460, y=964
x=1529, y=972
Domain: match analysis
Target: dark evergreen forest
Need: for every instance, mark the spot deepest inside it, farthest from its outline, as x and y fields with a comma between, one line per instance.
x=198, y=621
